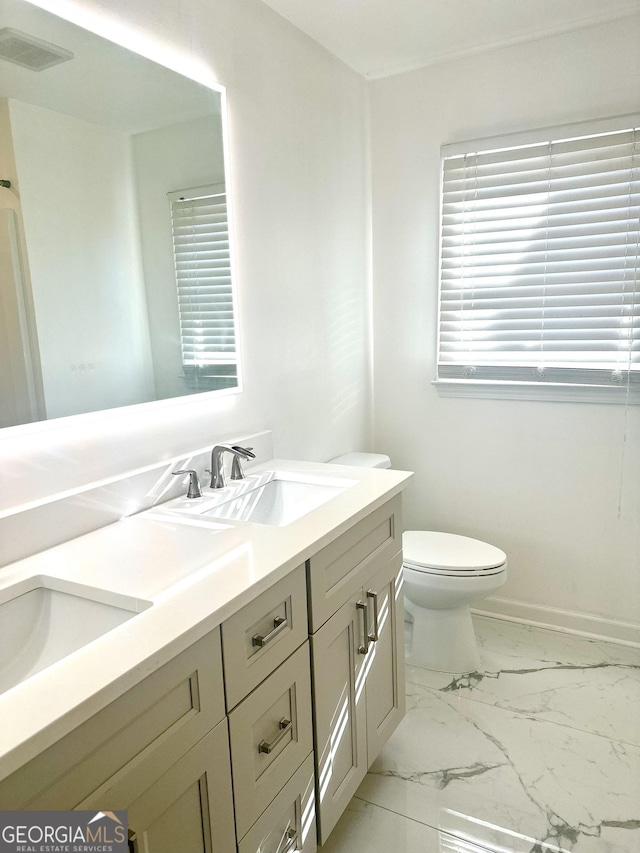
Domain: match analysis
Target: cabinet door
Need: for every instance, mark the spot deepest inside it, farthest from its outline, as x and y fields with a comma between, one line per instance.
x=339, y=699
x=385, y=688
x=190, y=807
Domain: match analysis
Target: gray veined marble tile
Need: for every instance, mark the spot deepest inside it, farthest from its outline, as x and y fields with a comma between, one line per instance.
x=598, y=694
x=601, y=699
x=541, y=786
x=365, y=826
x=533, y=643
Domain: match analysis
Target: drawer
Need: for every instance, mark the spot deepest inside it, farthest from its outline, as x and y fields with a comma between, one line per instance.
x=263, y=634
x=270, y=736
x=289, y=823
x=173, y=707
x=336, y=572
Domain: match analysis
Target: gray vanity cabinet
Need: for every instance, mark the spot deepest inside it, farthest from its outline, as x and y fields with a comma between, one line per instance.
x=339, y=713
x=357, y=655
x=131, y=742
x=189, y=808
x=268, y=689
x=160, y=752
x=271, y=735
x=248, y=756
x=288, y=825
x=385, y=679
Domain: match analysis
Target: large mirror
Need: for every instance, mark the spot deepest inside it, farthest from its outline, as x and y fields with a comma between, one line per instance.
x=115, y=272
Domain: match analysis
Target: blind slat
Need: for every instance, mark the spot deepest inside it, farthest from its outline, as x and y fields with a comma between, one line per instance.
x=539, y=262
x=203, y=281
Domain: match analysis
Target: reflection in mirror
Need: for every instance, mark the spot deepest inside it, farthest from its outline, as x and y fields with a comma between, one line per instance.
x=115, y=273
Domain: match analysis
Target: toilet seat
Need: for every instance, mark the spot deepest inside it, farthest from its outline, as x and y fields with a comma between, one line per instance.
x=450, y=554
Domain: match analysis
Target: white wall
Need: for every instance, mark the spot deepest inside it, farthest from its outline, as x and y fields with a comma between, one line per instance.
x=540, y=480
x=297, y=130
x=177, y=157
x=79, y=210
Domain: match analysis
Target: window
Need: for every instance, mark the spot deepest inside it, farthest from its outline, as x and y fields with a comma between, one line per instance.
x=203, y=278
x=539, y=264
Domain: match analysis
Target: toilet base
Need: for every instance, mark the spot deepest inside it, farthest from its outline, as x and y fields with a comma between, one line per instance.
x=442, y=640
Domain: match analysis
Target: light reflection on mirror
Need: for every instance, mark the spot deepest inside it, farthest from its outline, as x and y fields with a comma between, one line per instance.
x=115, y=270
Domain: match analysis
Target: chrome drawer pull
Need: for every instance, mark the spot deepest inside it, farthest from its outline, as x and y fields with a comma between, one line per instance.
x=364, y=648
x=285, y=727
x=375, y=634
x=289, y=840
x=279, y=624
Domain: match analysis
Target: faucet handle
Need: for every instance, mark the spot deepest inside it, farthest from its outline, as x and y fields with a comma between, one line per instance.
x=244, y=452
x=236, y=466
x=194, y=483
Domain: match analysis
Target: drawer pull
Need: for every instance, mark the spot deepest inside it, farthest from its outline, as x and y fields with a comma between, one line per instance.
x=364, y=607
x=289, y=840
x=269, y=746
x=279, y=624
x=375, y=634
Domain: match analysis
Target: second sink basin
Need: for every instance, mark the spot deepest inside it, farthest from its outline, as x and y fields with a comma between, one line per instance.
x=42, y=620
x=273, y=497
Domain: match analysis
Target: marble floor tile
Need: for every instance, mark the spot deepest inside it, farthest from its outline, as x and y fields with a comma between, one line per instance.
x=504, y=774
x=370, y=828
x=528, y=641
x=365, y=826
x=590, y=686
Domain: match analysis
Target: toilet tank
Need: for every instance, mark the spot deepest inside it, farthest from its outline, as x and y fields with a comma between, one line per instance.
x=363, y=460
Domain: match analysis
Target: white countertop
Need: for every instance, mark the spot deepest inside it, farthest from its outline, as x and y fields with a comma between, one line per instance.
x=194, y=574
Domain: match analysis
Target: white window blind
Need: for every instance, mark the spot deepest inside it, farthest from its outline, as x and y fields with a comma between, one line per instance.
x=203, y=278
x=539, y=262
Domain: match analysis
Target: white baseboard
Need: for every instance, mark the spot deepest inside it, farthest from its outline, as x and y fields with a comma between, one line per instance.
x=594, y=627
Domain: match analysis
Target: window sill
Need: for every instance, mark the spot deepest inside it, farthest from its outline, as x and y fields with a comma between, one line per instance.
x=544, y=391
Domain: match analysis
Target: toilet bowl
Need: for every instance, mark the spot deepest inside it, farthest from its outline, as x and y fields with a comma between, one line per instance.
x=443, y=574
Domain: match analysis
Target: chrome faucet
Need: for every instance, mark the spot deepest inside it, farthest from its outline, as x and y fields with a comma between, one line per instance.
x=217, y=460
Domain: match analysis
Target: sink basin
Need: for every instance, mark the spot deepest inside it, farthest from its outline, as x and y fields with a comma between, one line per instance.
x=42, y=620
x=273, y=497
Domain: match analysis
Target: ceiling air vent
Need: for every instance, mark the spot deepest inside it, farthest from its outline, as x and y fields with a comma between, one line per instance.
x=29, y=51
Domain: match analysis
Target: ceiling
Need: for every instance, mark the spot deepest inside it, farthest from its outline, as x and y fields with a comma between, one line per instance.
x=378, y=38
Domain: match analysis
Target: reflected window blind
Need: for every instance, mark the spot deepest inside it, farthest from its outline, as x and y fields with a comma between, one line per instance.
x=203, y=277
x=539, y=262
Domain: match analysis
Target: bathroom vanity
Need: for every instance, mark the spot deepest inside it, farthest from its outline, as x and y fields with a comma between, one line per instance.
x=243, y=704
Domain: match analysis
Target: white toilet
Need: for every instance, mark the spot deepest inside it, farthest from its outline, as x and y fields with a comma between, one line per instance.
x=443, y=574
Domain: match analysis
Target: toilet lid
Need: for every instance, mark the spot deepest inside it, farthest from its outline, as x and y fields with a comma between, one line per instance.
x=449, y=553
